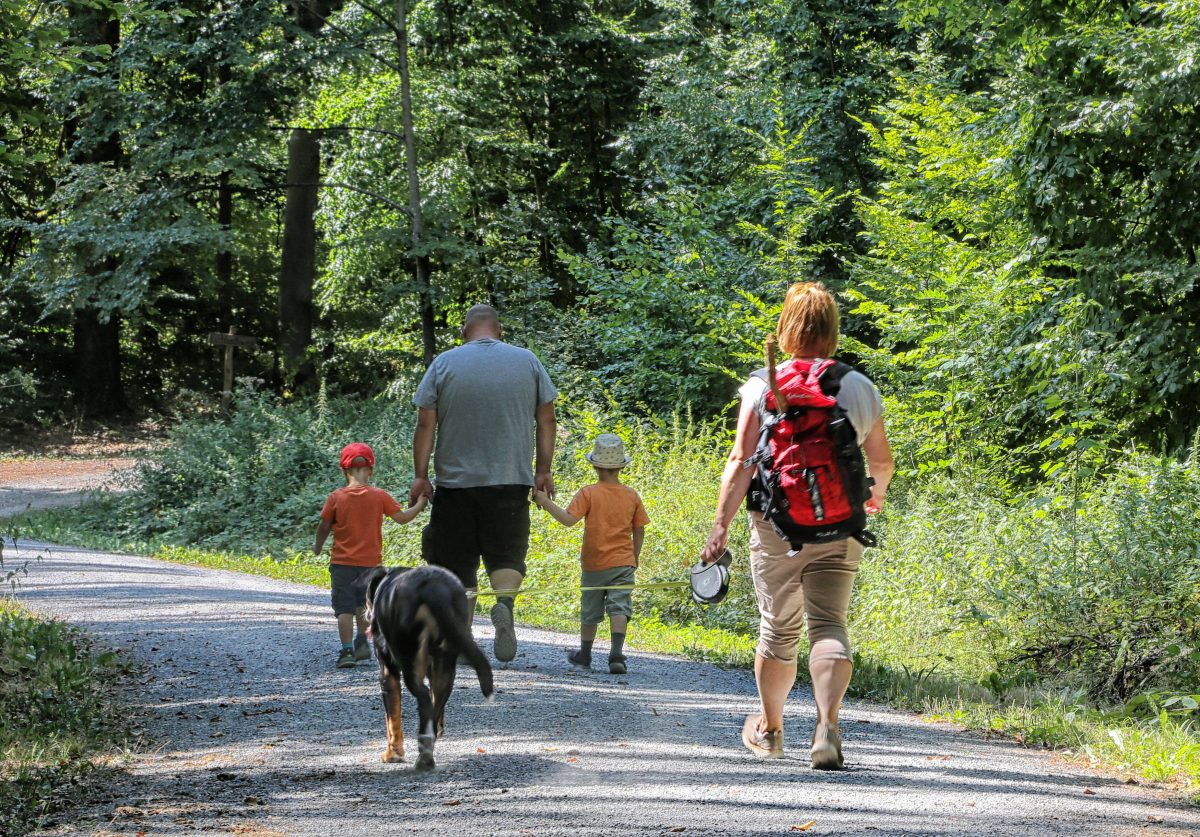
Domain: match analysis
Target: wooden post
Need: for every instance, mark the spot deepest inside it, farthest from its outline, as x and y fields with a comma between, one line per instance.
x=227, y=389
x=232, y=340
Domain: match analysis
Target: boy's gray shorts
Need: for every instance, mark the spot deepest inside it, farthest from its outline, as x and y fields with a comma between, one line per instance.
x=345, y=592
x=593, y=604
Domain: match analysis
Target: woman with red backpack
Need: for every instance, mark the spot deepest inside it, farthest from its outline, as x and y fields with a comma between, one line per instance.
x=797, y=459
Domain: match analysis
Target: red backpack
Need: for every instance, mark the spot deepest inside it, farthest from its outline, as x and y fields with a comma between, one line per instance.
x=810, y=478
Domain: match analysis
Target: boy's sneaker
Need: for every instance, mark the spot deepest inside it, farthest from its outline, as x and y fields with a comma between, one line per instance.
x=616, y=665
x=580, y=660
x=505, y=644
x=362, y=651
x=345, y=658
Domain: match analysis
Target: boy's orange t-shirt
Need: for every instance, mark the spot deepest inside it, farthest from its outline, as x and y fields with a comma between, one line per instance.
x=357, y=513
x=610, y=512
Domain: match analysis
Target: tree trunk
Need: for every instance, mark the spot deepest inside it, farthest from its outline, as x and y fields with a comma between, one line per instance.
x=225, y=288
x=96, y=344
x=299, y=259
x=98, y=364
x=416, y=218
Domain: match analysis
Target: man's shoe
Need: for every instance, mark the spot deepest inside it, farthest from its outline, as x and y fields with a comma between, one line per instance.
x=362, y=651
x=826, y=747
x=580, y=660
x=616, y=665
x=765, y=745
x=345, y=658
x=504, y=646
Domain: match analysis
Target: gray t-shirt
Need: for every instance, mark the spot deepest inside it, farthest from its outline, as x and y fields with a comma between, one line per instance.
x=858, y=397
x=486, y=393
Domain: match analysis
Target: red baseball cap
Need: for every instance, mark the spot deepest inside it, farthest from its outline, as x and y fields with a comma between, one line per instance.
x=355, y=450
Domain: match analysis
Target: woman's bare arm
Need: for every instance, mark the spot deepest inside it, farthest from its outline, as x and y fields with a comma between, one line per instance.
x=879, y=463
x=735, y=481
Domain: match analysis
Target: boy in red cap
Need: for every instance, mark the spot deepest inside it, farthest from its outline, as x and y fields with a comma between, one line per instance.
x=355, y=515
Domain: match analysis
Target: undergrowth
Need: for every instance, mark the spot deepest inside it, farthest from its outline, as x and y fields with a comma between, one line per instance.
x=60, y=720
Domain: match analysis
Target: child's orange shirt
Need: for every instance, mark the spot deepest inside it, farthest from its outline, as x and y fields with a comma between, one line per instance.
x=357, y=513
x=610, y=511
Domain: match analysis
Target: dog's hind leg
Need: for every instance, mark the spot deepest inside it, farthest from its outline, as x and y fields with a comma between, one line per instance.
x=390, y=686
x=442, y=668
x=426, y=732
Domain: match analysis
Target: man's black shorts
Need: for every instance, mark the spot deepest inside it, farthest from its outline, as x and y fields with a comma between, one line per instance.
x=489, y=522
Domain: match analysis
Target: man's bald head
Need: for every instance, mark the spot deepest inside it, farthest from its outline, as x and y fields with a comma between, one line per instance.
x=481, y=321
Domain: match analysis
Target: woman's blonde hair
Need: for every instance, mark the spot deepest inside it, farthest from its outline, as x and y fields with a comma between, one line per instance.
x=808, y=325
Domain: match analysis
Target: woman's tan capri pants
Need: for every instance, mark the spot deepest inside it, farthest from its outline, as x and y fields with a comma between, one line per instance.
x=815, y=582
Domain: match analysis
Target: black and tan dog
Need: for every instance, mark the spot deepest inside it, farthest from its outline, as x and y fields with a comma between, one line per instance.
x=418, y=619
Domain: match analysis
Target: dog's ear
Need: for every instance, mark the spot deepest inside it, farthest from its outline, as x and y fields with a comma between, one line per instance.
x=371, y=582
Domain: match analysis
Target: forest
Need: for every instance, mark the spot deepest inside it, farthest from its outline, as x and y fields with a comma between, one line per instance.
x=1002, y=193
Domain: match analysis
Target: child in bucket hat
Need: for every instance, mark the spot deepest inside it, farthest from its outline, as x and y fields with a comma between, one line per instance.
x=354, y=514
x=613, y=532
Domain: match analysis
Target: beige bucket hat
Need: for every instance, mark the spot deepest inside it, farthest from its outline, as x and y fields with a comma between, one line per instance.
x=608, y=452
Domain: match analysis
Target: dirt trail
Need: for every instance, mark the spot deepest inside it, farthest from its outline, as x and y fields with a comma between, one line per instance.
x=260, y=735
x=29, y=484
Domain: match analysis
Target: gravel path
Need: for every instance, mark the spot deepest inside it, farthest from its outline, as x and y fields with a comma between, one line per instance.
x=259, y=735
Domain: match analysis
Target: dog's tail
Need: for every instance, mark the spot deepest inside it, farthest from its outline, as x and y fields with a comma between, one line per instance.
x=450, y=622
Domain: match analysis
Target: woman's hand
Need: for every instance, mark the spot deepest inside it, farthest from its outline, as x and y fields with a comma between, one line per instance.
x=718, y=539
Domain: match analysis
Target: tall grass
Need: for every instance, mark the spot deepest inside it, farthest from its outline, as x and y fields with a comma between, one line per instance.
x=59, y=717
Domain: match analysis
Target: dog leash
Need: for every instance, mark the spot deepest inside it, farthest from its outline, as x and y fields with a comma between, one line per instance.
x=538, y=591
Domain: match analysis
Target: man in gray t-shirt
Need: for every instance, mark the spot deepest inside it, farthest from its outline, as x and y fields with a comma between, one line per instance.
x=481, y=402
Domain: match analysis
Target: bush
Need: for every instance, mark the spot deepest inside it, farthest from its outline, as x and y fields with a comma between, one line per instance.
x=257, y=480
x=1091, y=585
x=57, y=714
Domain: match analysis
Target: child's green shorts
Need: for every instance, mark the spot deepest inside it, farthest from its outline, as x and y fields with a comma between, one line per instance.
x=593, y=604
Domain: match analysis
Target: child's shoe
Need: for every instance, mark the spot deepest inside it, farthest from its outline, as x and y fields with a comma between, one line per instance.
x=616, y=665
x=362, y=651
x=345, y=658
x=580, y=660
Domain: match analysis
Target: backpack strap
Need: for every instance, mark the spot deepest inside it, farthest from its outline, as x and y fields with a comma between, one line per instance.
x=831, y=377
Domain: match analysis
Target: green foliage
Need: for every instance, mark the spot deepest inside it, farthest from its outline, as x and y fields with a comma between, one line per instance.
x=1091, y=585
x=259, y=479
x=58, y=715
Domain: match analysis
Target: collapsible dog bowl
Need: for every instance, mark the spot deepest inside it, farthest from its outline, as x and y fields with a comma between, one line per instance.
x=710, y=582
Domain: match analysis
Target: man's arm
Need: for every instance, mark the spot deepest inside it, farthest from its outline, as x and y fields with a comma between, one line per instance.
x=323, y=529
x=547, y=429
x=422, y=450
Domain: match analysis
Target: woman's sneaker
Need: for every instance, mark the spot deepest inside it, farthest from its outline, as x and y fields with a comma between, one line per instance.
x=827, y=747
x=764, y=744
